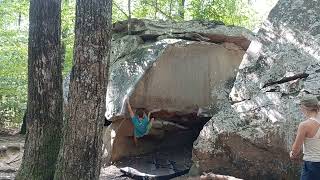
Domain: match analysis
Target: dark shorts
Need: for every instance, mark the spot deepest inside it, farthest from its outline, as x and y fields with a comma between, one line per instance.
x=310, y=170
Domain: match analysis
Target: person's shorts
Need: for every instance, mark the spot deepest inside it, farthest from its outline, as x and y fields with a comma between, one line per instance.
x=310, y=170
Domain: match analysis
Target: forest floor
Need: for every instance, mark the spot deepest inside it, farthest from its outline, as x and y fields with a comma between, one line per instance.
x=161, y=163
x=164, y=163
x=11, y=152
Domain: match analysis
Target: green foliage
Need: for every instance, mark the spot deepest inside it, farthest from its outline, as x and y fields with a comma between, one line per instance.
x=14, y=55
x=231, y=12
x=119, y=11
x=159, y=9
x=13, y=61
x=67, y=33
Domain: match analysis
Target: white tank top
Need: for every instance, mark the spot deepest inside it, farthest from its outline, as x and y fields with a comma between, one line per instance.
x=311, y=146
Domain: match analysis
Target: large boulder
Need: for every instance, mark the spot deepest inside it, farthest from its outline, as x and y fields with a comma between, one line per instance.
x=251, y=136
x=172, y=67
x=133, y=55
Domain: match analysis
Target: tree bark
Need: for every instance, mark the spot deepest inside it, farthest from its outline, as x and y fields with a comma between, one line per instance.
x=23, y=129
x=44, y=107
x=81, y=149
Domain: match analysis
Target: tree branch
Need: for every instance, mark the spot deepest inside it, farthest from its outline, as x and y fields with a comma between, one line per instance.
x=163, y=13
x=118, y=7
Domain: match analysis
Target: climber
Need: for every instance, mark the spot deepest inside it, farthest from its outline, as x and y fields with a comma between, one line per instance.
x=308, y=136
x=141, y=122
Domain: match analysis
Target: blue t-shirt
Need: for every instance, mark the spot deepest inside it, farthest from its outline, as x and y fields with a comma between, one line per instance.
x=140, y=126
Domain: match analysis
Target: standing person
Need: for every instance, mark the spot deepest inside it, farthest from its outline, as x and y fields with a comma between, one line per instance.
x=308, y=135
x=141, y=122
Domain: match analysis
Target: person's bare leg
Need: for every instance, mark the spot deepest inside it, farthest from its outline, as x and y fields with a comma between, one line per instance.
x=135, y=140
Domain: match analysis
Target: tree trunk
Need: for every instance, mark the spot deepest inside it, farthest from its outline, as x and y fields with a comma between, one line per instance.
x=155, y=9
x=19, y=20
x=129, y=17
x=181, y=9
x=23, y=129
x=170, y=8
x=44, y=108
x=81, y=149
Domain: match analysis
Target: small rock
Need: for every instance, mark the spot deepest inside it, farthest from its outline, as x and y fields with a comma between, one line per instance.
x=211, y=176
x=4, y=168
x=6, y=176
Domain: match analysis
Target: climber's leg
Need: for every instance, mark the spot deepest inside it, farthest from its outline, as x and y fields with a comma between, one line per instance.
x=149, y=125
x=135, y=140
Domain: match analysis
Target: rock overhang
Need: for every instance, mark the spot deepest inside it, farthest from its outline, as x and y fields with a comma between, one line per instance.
x=170, y=67
x=130, y=70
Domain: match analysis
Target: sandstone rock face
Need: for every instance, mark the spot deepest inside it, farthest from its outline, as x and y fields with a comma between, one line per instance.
x=173, y=68
x=132, y=56
x=251, y=136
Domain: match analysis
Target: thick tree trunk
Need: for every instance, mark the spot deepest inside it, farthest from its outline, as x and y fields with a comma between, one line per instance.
x=81, y=150
x=44, y=115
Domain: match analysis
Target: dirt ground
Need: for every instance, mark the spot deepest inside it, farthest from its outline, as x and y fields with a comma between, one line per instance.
x=11, y=152
x=164, y=161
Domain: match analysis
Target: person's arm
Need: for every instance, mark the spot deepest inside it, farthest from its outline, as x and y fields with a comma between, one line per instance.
x=296, y=147
x=155, y=110
x=149, y=115
x=151, y=120
x=130, y=109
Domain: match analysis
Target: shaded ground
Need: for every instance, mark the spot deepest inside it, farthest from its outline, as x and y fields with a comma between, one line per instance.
x=161, y=164
x=11, y=151
x=164, y=163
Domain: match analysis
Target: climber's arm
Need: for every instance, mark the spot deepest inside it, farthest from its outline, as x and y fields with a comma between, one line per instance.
x=151, y=120
x=149, y=114
x=130, y=109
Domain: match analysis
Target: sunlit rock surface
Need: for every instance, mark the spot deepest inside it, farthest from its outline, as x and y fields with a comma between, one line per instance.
x=173, y=68
x=254, y=131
